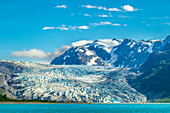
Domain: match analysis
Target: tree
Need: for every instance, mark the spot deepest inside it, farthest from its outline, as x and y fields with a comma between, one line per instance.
x=5, y=96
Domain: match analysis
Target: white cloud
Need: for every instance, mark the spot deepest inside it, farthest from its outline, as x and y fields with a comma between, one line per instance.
x=114, y=9
x=58, y=52
x=45, y=28
x=89, y=6
x=32, y=53
x=83, y=27
x=61, y=6
x=100, y=7
x=64, y=27
x=116, y=24
x=129, y=8
x=102, y=23
x=125, y=8
x=103, y=15
x=105, y=23
x=87, y=15
x=92, y=7
x=60, y=28
x=81, y=43
x=44, y=57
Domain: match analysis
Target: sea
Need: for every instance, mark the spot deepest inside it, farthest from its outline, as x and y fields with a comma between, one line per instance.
x=84, y=108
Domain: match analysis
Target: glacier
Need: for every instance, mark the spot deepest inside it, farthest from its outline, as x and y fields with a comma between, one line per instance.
x=68, y=83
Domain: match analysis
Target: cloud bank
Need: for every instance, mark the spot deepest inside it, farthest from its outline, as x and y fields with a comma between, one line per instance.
x=45, y=57
x=32, y=53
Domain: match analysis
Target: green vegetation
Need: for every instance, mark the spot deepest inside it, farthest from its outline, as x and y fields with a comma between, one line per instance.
x=164, y=100
x=156, y=68
x=4, y=98
x=1, y=91
x=154, y=83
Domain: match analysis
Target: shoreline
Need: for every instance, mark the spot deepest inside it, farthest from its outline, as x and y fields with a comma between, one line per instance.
x=73, y=103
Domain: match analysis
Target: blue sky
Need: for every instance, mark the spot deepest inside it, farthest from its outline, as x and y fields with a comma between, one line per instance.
x=45, y=25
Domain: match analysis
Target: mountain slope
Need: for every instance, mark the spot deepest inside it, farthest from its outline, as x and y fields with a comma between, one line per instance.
x=116, y=53
x=131, y=53
x=87, y=53
x=79, y=56
x=156, y=57
x=154, y=83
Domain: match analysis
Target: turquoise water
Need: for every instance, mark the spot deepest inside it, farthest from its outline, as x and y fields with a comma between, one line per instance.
x=84, y=108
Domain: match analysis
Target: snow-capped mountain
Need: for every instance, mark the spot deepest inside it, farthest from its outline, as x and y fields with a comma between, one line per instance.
x=157, y=57
x=93, y=53
x=79, y=56
x=116, y=52
x=131, y=53
x=101, y=84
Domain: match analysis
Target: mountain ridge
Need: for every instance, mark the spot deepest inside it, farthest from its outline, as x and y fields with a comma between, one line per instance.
x=114, y=52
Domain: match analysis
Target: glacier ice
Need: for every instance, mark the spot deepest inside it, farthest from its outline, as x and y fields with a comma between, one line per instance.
x=75, y=83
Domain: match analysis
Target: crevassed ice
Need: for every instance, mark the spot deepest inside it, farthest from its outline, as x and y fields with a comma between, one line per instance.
x=74, y=83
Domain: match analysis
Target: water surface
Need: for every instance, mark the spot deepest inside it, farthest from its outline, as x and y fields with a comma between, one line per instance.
x=84, y=108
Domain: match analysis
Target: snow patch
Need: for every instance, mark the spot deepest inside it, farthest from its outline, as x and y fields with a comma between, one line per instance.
x=154, y=40
x=132, y=44
x=108, y=42
x=139, y=50
x=81, y=43
x=147, y=43
x=92, y=61
x=81, y=50
x=89, y=53
x=65, y=57
x=150, y=49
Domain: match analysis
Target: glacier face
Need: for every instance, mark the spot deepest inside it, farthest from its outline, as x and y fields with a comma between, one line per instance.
x=100, y=84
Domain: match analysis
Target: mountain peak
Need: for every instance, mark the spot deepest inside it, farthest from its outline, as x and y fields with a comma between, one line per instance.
x=167, y=39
